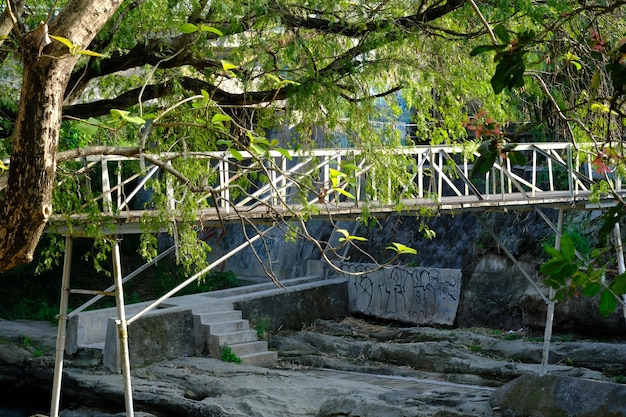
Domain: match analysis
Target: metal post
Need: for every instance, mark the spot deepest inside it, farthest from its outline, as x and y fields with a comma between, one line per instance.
x=547, y=335
x=620, y=259
x=122, y=329
x=60, y=345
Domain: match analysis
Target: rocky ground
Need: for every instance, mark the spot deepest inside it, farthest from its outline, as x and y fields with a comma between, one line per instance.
x=349, y=368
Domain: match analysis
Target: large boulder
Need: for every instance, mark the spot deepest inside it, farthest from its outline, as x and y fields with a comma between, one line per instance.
x=550, y=395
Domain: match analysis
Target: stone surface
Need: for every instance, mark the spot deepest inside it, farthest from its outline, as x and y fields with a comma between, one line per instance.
x=560, y=396
x=347, y=368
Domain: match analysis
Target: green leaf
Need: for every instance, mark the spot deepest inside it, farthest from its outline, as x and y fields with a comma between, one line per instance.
x=345, y=193
x=219, y=118
x=502, y=34
x=335, y=173
x=227, y=66
x=89, y=128
x=257, y=149
x=608, y=303
x=517, y=158
x=483, y=164
x=188, y=28
x=236, y=154
x=553, y=252
x=401, y=249
x=553, y=267
x=592, y=289
x=90, y=53
x=221, y=142
x=136, y=120
x=211, y=29
x=285, y=153
x=349, y=237
x=485, y=48
x=567, y=247
x=554, y=283
x=618, y=286
x=64, y=41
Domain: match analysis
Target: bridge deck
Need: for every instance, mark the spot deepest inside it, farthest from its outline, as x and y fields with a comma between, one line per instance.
x=556, y=175
x=129, y=221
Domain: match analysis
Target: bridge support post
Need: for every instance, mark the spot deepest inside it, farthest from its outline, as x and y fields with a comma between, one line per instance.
x=619, y=249
x=547, y=335
x=122, y=328
x=60, y=344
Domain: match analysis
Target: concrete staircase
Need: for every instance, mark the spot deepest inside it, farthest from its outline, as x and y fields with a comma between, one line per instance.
x=226, y=327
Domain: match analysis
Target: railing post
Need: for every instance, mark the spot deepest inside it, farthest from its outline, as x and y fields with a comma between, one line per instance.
x=534, y=173
x=107, y=200
x=440, y=178
x=570, y=170
x=122, y=328
x=60, y=344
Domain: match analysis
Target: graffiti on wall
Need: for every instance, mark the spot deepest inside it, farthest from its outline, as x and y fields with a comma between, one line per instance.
x=425, y=296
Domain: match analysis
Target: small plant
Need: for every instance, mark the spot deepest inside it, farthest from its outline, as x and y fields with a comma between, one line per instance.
x=262, y=326
x=619, y=379
x=476, y=348
x=227, y=355
x=26, y=342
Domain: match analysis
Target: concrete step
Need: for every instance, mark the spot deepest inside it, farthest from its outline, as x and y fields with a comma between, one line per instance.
x=219, y=316
x=248, y=348
x=260, y=358
x=228, y=326
x=231, y=339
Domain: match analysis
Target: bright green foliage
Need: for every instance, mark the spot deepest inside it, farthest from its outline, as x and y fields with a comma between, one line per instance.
x=228, y=355
x=174, y=78
x=568, y=275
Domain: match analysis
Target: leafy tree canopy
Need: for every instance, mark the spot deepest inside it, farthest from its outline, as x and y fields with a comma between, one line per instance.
x=183, y=76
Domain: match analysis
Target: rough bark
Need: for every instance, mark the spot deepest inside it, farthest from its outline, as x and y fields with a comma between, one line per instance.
x=26, y=202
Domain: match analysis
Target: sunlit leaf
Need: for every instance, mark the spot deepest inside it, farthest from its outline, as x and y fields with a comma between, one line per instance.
x=221, y=142
x=219, y=118
x=227, y=66
x=344, y=192
x=285, y=153
x=188, y=28
x=63, y=40
x=349, y=237
x=91, y=53
x=236, y=154
x=401, y=249
x=211, y=29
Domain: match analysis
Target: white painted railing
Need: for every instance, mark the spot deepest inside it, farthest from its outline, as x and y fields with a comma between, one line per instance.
x=437, y=174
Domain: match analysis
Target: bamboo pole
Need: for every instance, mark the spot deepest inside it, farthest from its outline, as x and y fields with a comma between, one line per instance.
x=60, y=344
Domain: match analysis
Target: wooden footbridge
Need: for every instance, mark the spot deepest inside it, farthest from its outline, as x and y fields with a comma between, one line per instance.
x=322, y=183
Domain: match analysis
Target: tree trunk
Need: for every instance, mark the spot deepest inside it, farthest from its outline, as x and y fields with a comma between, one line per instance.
x=25, y=204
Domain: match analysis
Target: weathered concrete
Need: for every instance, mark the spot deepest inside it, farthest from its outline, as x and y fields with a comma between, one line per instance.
x=560, y=396
x=169, y=331
x=153, y=338
x=423, y=296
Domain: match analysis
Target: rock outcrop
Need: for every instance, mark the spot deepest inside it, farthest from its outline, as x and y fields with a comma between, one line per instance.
x=350, y=368
x=559, y=396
